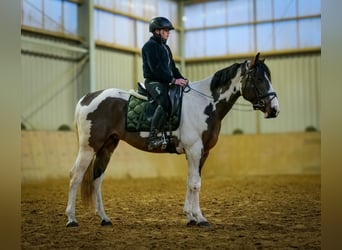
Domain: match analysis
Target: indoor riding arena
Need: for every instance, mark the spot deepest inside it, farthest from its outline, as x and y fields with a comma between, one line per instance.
x=260, y=185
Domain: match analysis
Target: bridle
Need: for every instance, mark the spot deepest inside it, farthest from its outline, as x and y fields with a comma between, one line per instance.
x=260, y=103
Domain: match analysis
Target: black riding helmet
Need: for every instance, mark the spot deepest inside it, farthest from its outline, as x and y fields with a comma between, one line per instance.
x=158, y=23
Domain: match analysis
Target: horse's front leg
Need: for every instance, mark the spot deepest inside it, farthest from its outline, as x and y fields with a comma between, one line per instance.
x=192, y=209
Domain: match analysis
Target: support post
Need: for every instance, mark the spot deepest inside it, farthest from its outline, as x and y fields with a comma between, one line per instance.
x=181, y=36
x=87, y=80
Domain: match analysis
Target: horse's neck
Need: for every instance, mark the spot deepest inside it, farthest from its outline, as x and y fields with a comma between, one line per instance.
x=203, y=86
x=227, y=98
x=228, y=93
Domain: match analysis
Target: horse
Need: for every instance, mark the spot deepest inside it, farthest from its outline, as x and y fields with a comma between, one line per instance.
x=100, y=125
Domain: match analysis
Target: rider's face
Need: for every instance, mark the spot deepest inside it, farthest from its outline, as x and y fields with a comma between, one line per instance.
x=164, y=33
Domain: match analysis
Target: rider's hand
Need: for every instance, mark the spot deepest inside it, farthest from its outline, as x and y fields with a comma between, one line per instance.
x=181, y=82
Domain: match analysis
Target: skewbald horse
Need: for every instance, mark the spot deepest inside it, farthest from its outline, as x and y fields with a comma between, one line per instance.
x=100, y=125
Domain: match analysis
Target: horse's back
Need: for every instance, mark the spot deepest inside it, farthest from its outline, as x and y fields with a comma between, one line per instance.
x=91, y=101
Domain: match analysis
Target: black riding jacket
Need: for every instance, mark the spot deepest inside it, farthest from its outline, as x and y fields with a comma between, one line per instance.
x=158, y=64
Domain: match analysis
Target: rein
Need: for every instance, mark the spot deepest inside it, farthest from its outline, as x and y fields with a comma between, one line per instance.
x=187, y=89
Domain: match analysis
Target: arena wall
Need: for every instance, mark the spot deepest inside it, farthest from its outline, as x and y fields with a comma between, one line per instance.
x=50, y=155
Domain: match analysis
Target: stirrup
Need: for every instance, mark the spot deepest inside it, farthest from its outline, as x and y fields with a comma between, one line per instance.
x=153, y=144
x=164, y=143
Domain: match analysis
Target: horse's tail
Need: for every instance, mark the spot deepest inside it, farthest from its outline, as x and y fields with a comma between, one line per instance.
x=87, y=186
x=76, y=131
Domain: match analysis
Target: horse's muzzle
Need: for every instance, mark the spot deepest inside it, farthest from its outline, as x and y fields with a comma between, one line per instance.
x=273, y=113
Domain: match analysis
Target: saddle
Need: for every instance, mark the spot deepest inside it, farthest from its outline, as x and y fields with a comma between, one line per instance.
x=141, y=107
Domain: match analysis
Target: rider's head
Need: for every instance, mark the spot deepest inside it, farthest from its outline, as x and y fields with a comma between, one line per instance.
x=160, y=27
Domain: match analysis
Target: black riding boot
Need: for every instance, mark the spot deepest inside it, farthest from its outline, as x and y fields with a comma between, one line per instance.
x=157, y=121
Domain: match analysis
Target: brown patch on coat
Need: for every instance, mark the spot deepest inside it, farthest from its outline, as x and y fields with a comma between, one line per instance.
x=107, y=120
x=88, y=98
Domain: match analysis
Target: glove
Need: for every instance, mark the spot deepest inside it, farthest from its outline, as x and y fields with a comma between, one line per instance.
x=180, y=81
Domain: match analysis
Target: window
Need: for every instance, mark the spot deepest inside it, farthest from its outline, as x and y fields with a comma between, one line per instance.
x=103, y=32
x=239, y=11
x=123, y=30
x=264, y=10
x=193, y=16
x=286, y=35
x=217, y=37
x=264, y=39
x=309, y=33
x=126, y=23
x=51, y=15
x=114, y=29
x=70, y=17
x=142, y=33
x=305, y=9
x=240, y=39
x=194, y=46
x=32, y=13
x=284, y=9
x=238, y=26
x=215, y=13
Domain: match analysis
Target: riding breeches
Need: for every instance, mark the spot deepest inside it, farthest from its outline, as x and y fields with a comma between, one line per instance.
x=159, y=93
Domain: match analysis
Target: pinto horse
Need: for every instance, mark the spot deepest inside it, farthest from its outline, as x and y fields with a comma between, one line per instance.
x=100, y=125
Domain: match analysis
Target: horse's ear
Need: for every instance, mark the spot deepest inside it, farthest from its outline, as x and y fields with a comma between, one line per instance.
x=255, y=60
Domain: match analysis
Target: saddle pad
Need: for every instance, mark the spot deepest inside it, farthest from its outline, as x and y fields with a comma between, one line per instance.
x=137, y=119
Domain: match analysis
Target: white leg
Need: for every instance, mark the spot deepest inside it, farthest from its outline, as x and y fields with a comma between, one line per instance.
x=188, y=207
x=98, y=202
x=191, y=206
x=84, y=157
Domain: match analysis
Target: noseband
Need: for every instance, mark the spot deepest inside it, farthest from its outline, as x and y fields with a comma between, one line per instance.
x=260, y=103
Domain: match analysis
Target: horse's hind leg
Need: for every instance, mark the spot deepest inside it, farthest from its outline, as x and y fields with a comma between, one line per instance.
x=83, y=160
x=100, y=164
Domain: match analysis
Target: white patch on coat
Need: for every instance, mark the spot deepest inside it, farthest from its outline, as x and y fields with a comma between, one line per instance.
x=234, y=87
x=274, y=101
x=193, y=120
x=81, y=112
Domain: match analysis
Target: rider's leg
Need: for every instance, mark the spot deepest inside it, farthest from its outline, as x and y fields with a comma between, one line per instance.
x=159, y=93
x=157, y=122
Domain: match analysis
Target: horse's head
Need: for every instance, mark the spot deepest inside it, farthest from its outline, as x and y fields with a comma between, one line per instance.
x=256, y=87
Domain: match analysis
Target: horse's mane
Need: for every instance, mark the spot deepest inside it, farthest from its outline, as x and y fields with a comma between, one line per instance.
x=222, y=77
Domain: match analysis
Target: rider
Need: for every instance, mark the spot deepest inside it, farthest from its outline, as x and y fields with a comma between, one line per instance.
x=160, y=72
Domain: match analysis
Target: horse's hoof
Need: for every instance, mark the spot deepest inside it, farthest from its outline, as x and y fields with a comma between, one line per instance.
x=204, y=224
x=191, y=223
x=72, y=224
x=106, y=223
